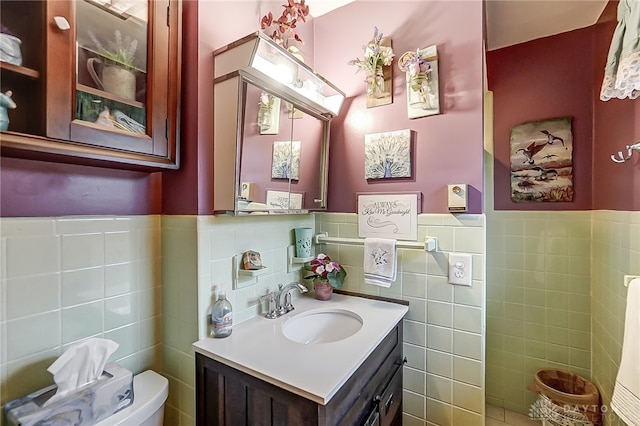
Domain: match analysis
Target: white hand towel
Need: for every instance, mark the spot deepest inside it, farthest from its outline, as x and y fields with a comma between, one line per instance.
x=380, y=260
x=626, y=392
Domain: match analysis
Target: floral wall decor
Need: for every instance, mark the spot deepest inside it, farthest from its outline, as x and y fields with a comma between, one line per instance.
x=378, y=56
x=421, y=71
x=387, y=155
x=283, y=29
x=285, y=163
x=541, y=161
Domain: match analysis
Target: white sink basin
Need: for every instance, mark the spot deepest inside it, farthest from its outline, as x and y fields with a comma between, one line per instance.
x=322, y=326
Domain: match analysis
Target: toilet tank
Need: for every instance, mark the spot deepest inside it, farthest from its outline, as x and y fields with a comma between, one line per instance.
x=150, y=392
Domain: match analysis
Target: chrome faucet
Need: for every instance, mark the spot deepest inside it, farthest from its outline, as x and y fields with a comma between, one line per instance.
x=280, y=301
x=272, y=312
x=283, y=297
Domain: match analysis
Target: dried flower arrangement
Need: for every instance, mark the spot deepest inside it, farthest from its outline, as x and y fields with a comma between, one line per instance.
x=121, y=51
x=375, y=55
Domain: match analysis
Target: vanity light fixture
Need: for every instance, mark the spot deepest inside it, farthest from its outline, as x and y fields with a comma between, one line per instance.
x=269, y=66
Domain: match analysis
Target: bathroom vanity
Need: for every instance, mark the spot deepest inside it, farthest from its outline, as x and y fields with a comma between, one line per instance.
x=262, y=375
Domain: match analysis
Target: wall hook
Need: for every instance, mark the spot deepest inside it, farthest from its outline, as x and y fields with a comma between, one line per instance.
x=621, y=158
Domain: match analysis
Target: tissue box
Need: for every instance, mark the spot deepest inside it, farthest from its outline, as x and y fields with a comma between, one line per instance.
x=110, y=393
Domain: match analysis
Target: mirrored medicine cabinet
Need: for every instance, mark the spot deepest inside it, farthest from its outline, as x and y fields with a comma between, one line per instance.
x=272, y=115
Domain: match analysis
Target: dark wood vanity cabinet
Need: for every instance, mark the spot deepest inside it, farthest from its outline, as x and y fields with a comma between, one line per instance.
x=79, y=98
x=372, y=396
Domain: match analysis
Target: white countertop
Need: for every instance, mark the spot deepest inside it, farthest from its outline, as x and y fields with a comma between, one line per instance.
x=314, y=371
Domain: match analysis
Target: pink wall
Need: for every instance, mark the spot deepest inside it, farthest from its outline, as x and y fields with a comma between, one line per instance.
x=38, y=188
x=545, y=78
x=207, y=26
x=181, y=188
x=558, y=76
x=616, y=124
x=448, y=147
x=257, y=153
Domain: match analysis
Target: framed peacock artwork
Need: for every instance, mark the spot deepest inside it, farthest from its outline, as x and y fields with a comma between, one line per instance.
x=542, y=161
x=388, y=155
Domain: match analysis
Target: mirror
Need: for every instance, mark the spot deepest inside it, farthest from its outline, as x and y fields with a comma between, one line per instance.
x=281, y=156
x=271, y=130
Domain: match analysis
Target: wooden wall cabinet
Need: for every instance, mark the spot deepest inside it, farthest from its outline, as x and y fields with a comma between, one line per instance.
x=78, y=103
x=371, y=396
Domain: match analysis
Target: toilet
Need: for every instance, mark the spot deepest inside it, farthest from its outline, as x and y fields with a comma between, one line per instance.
x=150, y=392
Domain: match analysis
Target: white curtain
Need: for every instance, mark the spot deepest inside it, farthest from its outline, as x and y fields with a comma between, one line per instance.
x=622, y=71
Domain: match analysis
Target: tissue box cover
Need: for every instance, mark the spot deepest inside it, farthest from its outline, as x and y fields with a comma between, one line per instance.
x=110, y=393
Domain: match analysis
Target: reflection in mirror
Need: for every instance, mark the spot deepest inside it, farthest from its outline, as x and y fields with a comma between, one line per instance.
x=280, y=166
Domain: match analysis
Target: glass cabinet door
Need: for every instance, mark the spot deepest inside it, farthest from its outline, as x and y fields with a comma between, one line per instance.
x=111, y=64
x=99, y=84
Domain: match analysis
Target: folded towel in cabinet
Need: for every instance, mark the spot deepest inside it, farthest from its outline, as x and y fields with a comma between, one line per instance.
x=626, y=392
x=380, y=261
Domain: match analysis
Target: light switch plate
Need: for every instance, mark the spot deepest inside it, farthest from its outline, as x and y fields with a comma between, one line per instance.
x=247, y=190
x=460, y=271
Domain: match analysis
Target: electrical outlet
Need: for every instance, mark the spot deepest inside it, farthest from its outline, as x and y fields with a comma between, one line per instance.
x=460, y=269
x=246, y=190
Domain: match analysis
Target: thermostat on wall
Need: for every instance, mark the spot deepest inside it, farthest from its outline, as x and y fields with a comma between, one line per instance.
x=457, y=197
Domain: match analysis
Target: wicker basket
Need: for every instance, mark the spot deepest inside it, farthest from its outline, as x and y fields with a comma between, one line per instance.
x=566, y=399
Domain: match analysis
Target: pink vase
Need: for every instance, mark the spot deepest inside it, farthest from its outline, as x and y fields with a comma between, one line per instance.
x=323, y=290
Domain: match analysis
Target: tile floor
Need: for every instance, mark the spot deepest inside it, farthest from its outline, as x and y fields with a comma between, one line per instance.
x=496, y=416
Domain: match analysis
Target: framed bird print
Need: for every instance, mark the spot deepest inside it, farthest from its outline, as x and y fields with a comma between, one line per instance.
x=542, y=161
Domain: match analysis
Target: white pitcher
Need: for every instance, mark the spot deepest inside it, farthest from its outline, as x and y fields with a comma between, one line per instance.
x=115, y=79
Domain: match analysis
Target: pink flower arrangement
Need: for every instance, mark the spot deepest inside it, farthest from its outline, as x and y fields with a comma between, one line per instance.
x=414, y=63
x=326, y=270
x=283, y=29
x=418, y=69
